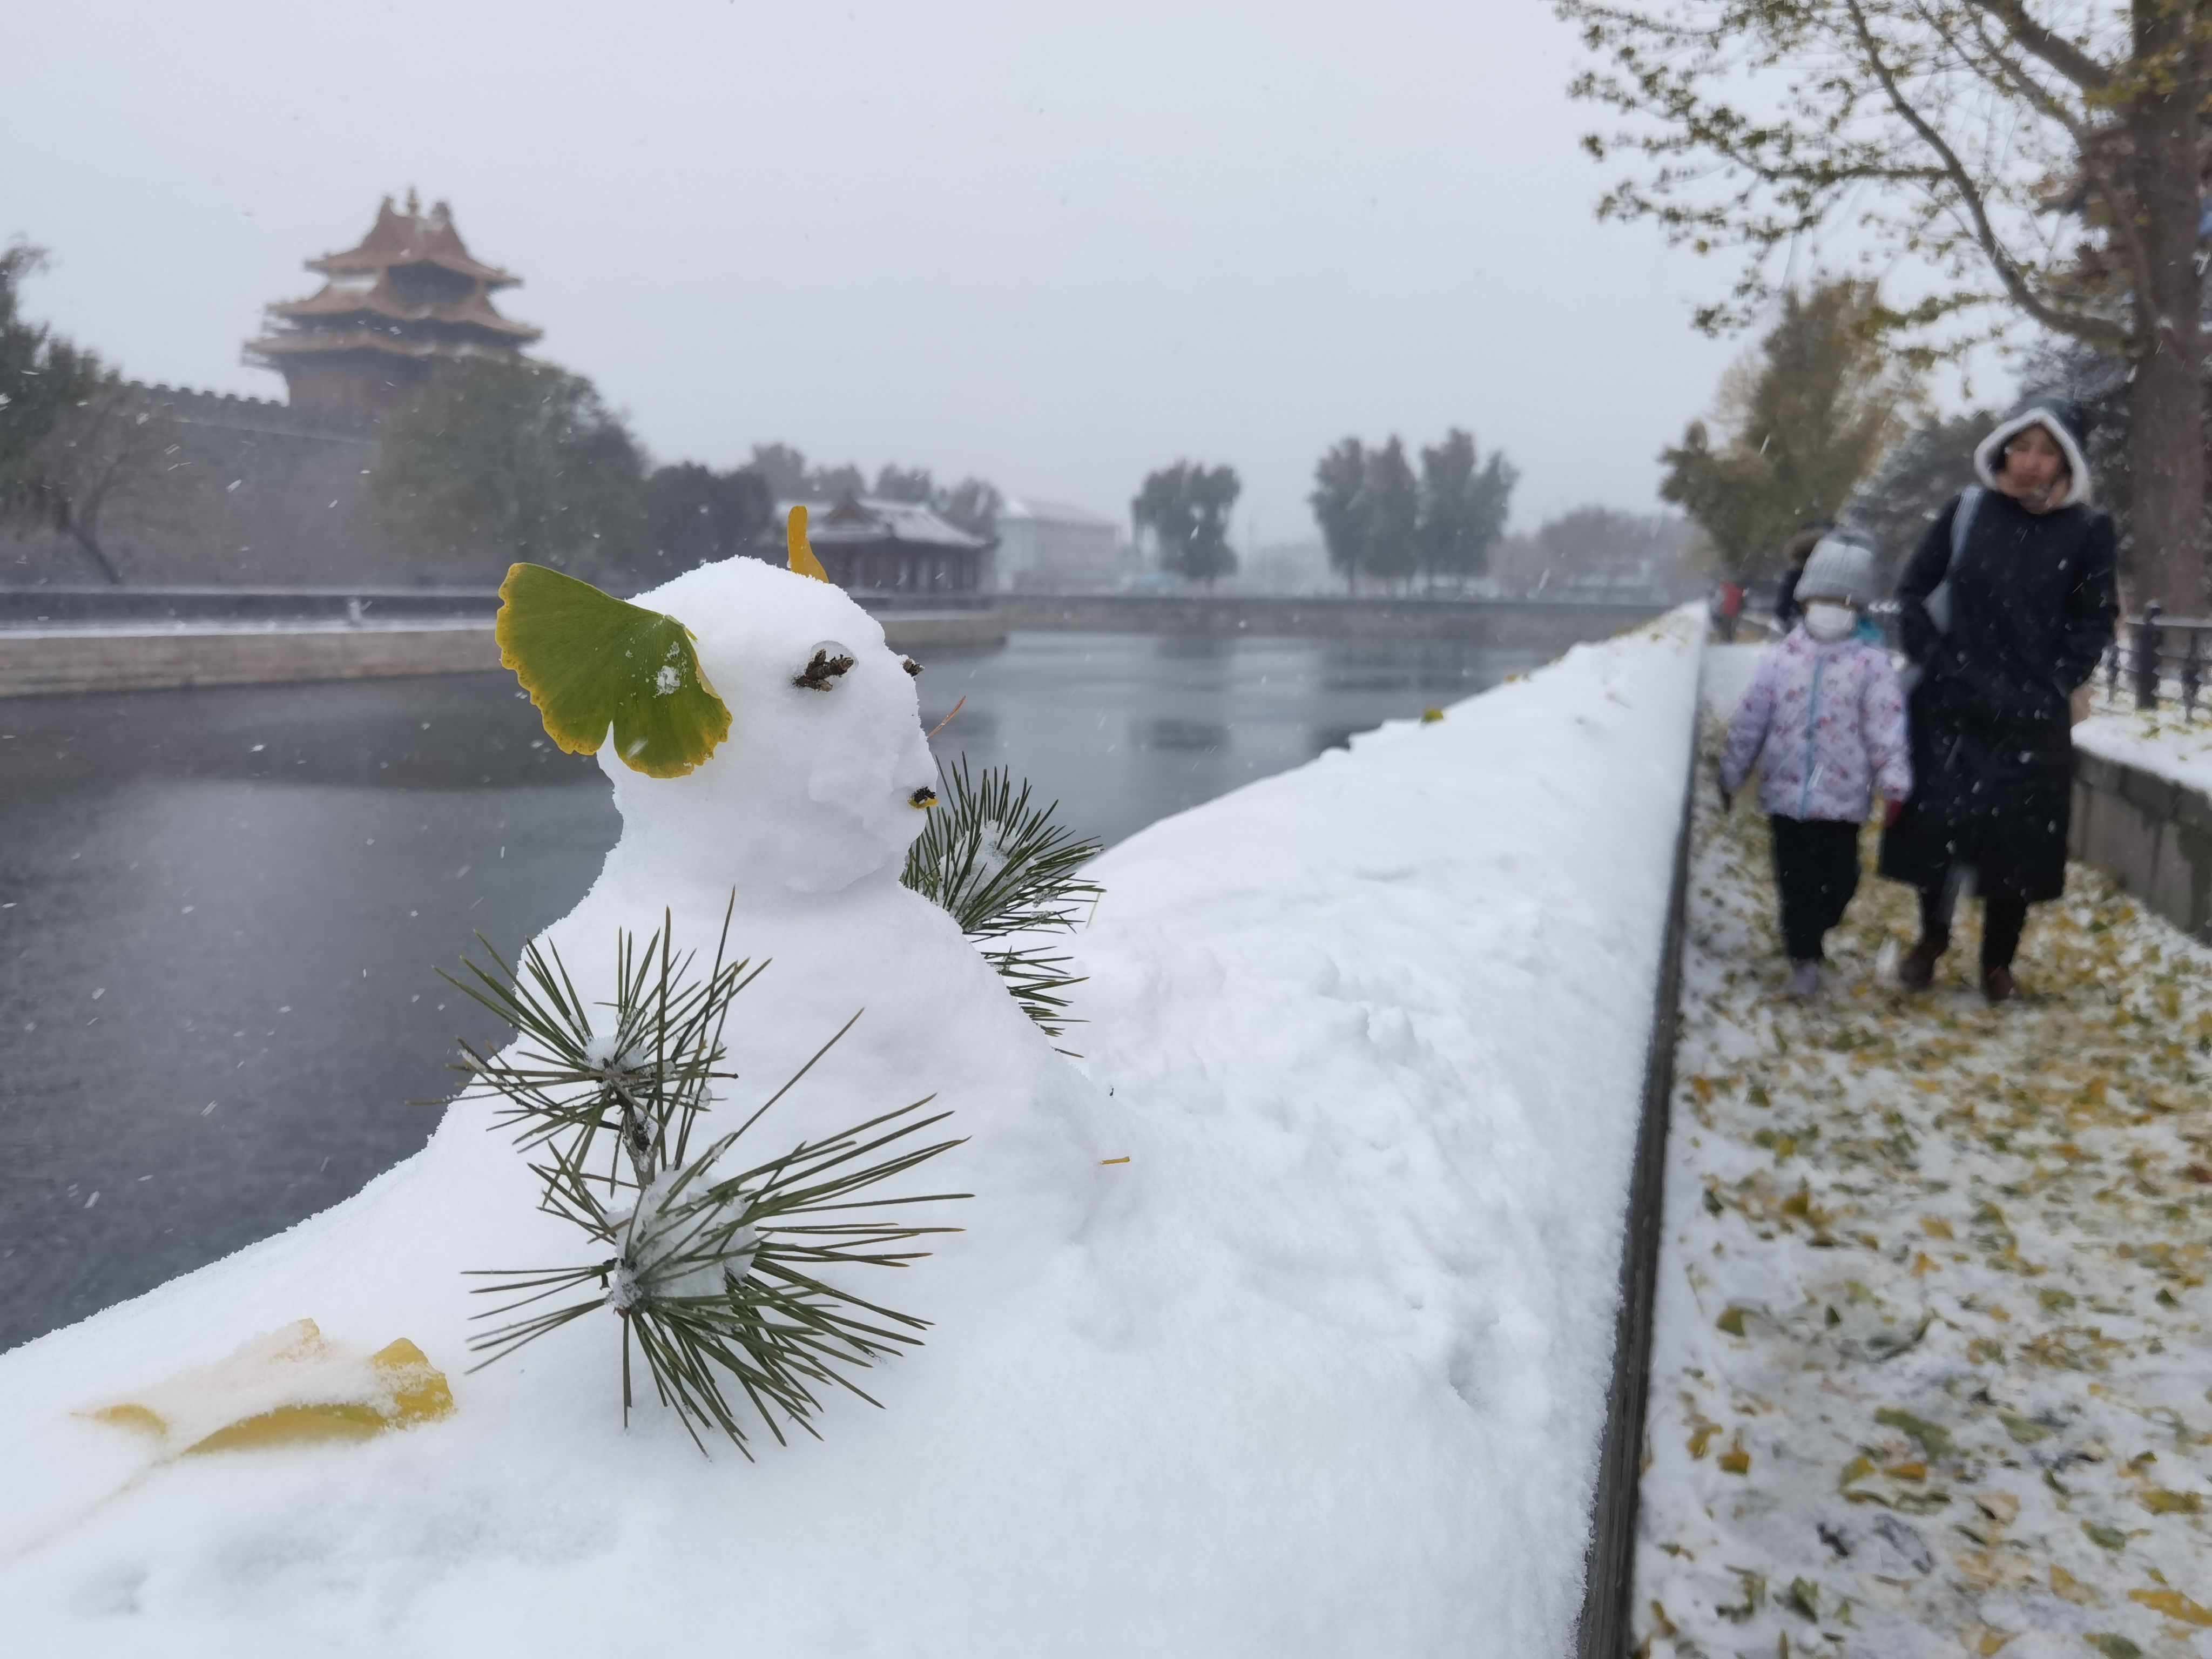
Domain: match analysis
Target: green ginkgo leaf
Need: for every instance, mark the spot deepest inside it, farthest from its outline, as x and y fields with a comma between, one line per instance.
x=594, y=664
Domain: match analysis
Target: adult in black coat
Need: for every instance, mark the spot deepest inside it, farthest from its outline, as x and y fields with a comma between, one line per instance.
x=1795, y=552
x=2003, y=633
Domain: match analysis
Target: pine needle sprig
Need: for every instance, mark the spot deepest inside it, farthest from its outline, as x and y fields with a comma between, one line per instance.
x=1001, y=866
x=714, y=1274
x=651, y=1073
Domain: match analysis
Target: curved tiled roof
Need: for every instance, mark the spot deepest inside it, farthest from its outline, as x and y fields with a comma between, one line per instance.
x=363, y=308
x=412, y=237
x=380, y=299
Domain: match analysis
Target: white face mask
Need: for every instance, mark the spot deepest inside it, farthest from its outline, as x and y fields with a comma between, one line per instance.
x=1828, y=621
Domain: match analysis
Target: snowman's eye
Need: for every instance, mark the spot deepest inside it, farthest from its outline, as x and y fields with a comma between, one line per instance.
x=910, y=665
x=830, y=661
x=924, y=797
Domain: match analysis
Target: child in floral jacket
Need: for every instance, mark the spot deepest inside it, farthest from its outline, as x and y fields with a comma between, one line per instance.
x=1824, y=717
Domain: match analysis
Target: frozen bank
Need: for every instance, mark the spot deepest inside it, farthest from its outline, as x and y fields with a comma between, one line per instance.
x=1320, y=1369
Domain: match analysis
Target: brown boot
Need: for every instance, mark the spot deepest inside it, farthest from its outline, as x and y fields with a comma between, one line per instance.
x=1916, y=972
x=1999, y=986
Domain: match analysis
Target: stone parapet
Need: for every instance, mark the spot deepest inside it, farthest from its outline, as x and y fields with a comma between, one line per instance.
x=159, y=656
x=2153, y=834
x=47, y=662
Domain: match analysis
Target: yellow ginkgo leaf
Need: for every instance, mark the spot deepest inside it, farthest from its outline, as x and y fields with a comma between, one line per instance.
x=290, y=1388
x=2174, y=1604
x=592, y=663
x=802, y=555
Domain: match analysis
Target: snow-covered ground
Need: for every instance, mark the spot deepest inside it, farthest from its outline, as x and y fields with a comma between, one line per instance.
x=1929, y=1376
x=1319, y=1369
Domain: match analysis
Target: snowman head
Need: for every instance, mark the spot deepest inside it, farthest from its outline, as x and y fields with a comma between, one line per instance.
x=823, y=775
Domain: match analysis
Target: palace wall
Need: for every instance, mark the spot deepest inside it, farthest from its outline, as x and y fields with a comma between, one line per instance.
x=216, y=490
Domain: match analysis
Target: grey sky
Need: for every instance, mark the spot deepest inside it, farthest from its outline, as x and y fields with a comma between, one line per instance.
x=1051, y=244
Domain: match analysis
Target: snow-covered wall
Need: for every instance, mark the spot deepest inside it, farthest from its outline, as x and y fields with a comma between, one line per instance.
x=1381, y=1025
x=2146, y=820
x=1321, y=1369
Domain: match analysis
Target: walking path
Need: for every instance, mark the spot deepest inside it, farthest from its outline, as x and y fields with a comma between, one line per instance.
x=1930, y=1369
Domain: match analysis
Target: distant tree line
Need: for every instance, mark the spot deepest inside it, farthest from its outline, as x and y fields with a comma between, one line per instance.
x=1188, y=508
x=66, y=434
x=1382, y=522
x=1596, y=551
x=973, y=504
x=525, y=460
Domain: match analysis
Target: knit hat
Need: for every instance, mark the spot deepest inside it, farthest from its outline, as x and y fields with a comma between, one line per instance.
x=2059, y=418
x=1840, y=569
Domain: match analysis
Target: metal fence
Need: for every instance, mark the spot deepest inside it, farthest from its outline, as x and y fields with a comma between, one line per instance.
x=2155, y=660
x=2160, y=659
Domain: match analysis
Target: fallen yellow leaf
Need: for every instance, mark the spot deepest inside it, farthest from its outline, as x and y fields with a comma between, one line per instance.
x=2159, y=1501
x=2067, y=1588
x=2174, y=1604
x=288, y=1388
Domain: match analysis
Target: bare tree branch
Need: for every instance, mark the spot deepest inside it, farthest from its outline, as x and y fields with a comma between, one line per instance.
x=2088, y=138
x=2097, y=330
x=2054, y=49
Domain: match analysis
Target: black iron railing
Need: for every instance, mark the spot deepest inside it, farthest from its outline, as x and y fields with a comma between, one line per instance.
x=2161, y=659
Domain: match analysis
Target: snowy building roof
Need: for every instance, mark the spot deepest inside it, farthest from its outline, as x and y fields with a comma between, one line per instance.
x=869, y=520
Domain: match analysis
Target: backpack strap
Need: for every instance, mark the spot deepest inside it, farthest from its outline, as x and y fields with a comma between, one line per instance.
x=1970, y=500
x=1962, y=522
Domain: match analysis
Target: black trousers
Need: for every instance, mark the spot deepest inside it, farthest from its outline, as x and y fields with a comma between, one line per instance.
x=2004, y=915
x=1816, y=865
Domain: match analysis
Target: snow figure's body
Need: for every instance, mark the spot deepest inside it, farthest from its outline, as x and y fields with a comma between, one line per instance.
x=795, y=828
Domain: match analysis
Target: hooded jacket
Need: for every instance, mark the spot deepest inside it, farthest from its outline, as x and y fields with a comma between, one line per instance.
x=1826, y=723
x=2032, y=605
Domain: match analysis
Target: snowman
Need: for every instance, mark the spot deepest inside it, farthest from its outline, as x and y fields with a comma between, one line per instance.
x=768, y=760
x=765, y=753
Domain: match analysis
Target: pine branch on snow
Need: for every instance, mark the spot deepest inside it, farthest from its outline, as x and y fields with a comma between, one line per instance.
x=713, y=1265
x=1002, y=867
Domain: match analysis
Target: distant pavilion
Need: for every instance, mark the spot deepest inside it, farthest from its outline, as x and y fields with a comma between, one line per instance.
x=410, y=296
x=869, y=546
